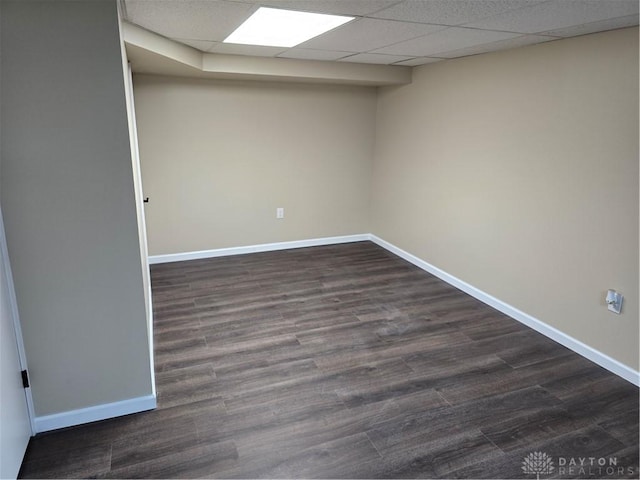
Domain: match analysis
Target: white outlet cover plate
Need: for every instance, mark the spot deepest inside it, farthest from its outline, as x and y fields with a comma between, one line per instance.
x=617, y=305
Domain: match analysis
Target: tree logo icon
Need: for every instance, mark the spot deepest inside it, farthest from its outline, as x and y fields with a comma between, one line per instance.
x=537, y=463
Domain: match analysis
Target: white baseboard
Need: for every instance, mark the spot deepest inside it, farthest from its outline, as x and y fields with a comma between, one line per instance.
x=265, y=247
x=140, y=404
x=553, y=333
x=93, y=414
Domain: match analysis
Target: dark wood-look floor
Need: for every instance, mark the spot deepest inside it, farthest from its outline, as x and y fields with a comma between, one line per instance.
x=346, y=362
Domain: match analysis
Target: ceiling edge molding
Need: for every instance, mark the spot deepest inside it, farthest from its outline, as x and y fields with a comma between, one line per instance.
x=151, y=53
x=159, y=45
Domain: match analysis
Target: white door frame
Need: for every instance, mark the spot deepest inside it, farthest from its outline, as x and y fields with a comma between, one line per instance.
x=142, y=224
x=13, y=305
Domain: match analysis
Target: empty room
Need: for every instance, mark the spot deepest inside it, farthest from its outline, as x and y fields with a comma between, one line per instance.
x=319, y=239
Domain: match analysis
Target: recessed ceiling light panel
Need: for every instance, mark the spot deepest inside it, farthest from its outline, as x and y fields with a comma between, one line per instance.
x=273, y=27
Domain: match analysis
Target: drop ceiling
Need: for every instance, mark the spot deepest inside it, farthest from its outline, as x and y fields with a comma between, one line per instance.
x=387, y=32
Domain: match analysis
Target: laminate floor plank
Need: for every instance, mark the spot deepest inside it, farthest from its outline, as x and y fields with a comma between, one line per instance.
x=326, y=460
x=153, y=442
x=81, y=463
x=193, y=462
x=445, y=454
x=345, y=361
x=520, y=431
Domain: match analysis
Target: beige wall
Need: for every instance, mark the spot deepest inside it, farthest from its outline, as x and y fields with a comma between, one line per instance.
x=517, y=172
x=218, y=158
x=68, y=202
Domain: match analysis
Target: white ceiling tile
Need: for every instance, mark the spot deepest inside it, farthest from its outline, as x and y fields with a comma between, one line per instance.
x=450, y=12
x=557, y=14
x=336, y=7
x=309, y=54
x=374, y=58
x=367, y=34
x=453, y=38
x=414, y=31
x=414, y=62
x=211, y=20
x=201, y=45
x=601, y=26
x=252, y=50
x=500, y=45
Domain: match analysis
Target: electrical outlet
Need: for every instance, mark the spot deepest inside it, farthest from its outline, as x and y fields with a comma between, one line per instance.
x=279, y=212
x=614, y=301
